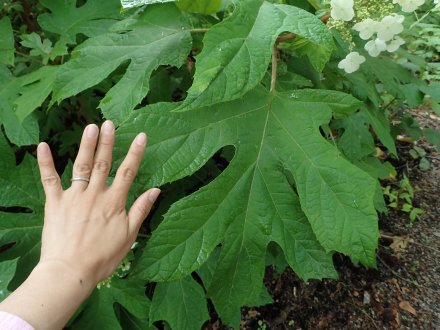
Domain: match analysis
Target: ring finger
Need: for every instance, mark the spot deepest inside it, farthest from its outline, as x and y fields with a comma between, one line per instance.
x=82, y=168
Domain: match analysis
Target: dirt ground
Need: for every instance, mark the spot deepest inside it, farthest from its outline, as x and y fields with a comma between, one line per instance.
x=402, y=293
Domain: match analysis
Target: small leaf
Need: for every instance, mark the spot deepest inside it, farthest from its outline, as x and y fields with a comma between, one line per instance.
x=414, y=154
x=407, y=207
x=424, y=164
x=433, y=136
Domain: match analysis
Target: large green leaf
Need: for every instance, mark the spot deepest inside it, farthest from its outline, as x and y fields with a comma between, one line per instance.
x=181, y=303
x=252, y=203
x=237, y=51
x=99, y=312
x=93, y=18
x=159, y=36
x=6, y=42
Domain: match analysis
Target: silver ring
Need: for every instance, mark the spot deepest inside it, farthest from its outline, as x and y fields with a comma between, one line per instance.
x=80, y=178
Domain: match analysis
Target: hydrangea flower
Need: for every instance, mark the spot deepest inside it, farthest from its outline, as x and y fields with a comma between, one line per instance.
x=352, y=62
x=342, y=10
x=409, y=6
x=375, y=47
x=367, y=28
x=395, y=45
x=390, y=26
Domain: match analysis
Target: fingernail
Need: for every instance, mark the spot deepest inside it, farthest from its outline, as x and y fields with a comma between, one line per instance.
x=153, y=194
x=108, y=127
x=43, y=149
x=92, y=131
x=141, y=139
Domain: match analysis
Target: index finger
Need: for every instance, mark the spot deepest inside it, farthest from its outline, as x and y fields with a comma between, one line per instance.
x=129, y=167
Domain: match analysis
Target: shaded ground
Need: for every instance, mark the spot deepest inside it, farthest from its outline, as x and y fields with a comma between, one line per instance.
x=402, y=293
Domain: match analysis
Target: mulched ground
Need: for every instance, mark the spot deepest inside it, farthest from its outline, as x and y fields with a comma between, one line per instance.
x=402, y=293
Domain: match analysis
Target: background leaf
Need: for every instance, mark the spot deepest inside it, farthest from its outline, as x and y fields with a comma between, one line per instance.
x=227, y=67
x=159, y=36
x=6, y=42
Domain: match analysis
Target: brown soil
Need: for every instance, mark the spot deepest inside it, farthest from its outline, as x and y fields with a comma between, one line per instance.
x=402, y=293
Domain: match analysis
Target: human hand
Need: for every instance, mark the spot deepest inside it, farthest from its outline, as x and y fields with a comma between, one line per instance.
x=86, y=227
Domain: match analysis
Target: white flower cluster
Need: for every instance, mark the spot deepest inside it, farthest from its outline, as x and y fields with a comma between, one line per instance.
x=342, y=10
x=352, y=62
x=382, y=35
x=386, y=30
x=408, y=6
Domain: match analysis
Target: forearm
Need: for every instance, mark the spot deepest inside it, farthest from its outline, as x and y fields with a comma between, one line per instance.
x=49, y=296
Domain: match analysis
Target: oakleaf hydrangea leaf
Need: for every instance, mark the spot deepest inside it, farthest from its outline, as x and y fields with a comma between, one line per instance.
x=181, y=303
x=93, y=18
x=237, y=51
x=252, y=203
x=159, y=36
x=99, y=312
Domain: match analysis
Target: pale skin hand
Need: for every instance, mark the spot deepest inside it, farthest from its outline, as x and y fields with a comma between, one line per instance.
x=86, y=232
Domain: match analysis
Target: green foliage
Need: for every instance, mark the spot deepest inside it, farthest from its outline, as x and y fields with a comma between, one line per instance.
x=401, y=198
x=6, y=42
x=419, y=154
x=264, y=149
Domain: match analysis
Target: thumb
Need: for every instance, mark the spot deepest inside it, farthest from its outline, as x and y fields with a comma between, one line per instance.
x=141, y=208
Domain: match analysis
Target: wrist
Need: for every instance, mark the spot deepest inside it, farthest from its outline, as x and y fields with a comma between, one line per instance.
x=61, y=272
x=49, y=296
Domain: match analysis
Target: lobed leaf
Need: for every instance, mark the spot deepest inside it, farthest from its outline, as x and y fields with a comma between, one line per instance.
x=93, y=18
x=159, y=36
x=100, y=313
x=252, y=203
x=237, y=51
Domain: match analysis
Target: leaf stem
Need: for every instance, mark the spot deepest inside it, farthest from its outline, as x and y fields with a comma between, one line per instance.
x=199, y=30
x=28, y=57
x=285, y=37
x=274, y=68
